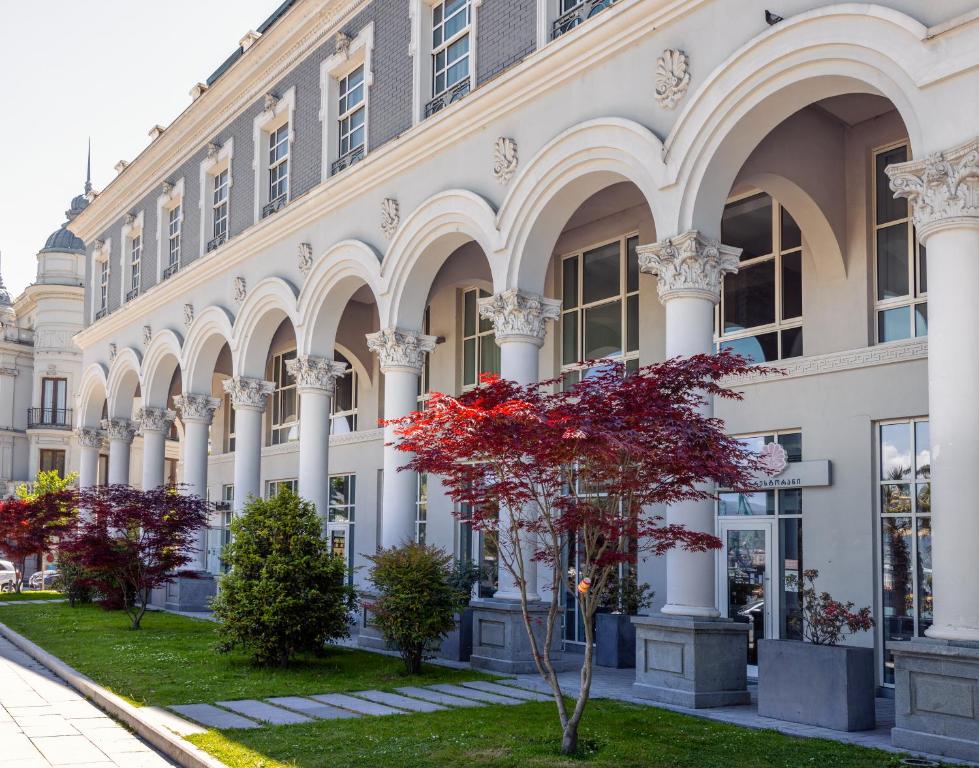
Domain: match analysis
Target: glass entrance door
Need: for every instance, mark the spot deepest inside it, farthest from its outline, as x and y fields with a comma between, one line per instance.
x=745, y=575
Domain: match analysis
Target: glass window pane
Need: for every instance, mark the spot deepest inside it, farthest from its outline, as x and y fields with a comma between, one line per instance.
x=569, y=282
x=892, y=262
x=792, y=285
x=791, y=235
x=792, y=443
x=922, y=270
x=895, y=499
x=925, y=598
x=792, y=343
x=921, y=319
x=742, y=504
x=790, y=545
x=889, y=207
x=485, y=324
x=600, y=275
x=632, y=265
x=922, y=445
x=603, y=331
x=895, y=452
x=469, y=362
x=569, y=338
x=489, y=355
x=896, y=582
x=757, y=349
x=894, y=324
x=924, y=498
x=749, y=297
x=469, y=314
x=747, y=224
x=790, y=502
x=632, y=323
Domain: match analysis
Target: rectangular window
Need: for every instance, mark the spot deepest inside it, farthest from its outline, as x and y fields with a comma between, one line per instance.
x=135, y=258
x=450, y=44
x=219, y=206
x=421, y=508
x=285, y=401
x=341, y=519
x=900, y=262
x=344, y=407
x=103, y=284
x=53, y=461
x=54, y=401
x=272, y=487
x=173, y=240
x=102, y=476
x=425, y=380
x=905, y=534
x=279, y=164
x=352, y=113
x=760, y=314
x=229, y=424
x=480, y=352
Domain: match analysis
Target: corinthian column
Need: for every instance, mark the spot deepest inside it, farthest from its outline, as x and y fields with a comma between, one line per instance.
x=154, y=425
x=90, y=442
x=316, y=379
x=120, y=433
x=689, y=270
x=196, y=413
x=248, y=397
x=520, y=324
x=401, y=354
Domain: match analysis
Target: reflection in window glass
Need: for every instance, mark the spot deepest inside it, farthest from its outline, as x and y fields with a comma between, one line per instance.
x=344, y=406
x=747, y=224
x=895, y=451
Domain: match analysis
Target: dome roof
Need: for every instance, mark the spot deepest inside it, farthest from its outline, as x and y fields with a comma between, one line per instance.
x=63, y=239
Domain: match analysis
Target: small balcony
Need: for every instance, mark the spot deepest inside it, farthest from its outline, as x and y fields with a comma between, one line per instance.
x=101, y=313
x=49, y=418
x=276, y=205
x=577, y=15
x=216, y=242
x=450, y=96
x=132, y=294
x=171, y=270
x=353, y=156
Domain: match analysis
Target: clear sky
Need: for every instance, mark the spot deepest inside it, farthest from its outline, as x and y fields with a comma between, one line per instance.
x=109, y=69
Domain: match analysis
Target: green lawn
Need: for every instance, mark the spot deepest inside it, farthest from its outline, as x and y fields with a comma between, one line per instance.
x=613, y=735
x=173, y=659
x=41, y=594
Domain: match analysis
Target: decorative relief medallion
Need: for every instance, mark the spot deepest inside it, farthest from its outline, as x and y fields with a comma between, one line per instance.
x=130, y=218
x=504, y=159
x=672, y=77
x=147, y=335
x=212, y=150
x=342, y=43
x=315, y=372
x=517, y=315
x=689, y=265
x=305, y=258
x=774, y=459
x=400, y=350
x=270, y=102
x=119, y=429
x=167, y=189
x=193, y=407
x=188, y=315
x=240, y=290
x=248, y=393
x=155, y=419
x=113, y=351
x=390, y=217
x=90, y=438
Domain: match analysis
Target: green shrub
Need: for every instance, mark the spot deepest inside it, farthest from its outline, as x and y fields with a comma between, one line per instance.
x=73, y=579
x=417, y=599
x=285, y=592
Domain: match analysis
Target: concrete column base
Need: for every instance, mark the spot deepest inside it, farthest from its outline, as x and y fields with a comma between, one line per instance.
x=695, y=663
x=936, y=704
x=500, y=640
x=190, y=594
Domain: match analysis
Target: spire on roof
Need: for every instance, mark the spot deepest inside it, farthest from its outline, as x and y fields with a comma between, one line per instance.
x=88, y=168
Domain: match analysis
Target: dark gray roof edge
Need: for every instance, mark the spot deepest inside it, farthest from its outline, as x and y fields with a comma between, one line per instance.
x=262, y=29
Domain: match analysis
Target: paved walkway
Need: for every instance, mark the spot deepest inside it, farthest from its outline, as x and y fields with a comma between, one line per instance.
x=45, y=723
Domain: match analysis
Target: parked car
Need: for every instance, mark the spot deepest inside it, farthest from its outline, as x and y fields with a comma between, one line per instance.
x=44, y=579
x=8, y=576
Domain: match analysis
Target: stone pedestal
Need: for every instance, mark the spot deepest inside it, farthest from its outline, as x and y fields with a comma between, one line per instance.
x=936, y=705
x=185, y=593
x=500, y=640
x=694, y=663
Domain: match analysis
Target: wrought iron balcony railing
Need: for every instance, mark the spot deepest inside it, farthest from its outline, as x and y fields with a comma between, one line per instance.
x=216, y=242
x=132, y=294
x=170, y=271
x=448, y=97
x=101, y=313
x=276, y=205
x=353, y=156
x=577, y=15
x=49, y=418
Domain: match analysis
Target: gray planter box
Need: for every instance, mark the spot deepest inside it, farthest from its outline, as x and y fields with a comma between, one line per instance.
x=458, y=644
x=824, y=685
x=615, y=641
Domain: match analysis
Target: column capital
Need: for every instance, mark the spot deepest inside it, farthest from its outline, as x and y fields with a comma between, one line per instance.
x=193, y=407
x=519, y=316
x=315, y=374
x=942, y=189
x=248, y=394
x=89, y=437
x=155, y=419
x=400, y=351
x=121, y=430
x=689, y=266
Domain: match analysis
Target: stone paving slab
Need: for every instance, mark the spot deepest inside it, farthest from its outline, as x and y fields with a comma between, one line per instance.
x=267, y=713
x=399, y=701
x=169, y=720
x=507, y=690
x=213, y=717
x=360, y=706
x=472, y=693
x=315, y=709
x=438, y=697
x=69, y=750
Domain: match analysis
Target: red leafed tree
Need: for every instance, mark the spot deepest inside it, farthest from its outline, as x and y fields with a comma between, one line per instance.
x=586, y=463
x=131, y=541
x=32, y=524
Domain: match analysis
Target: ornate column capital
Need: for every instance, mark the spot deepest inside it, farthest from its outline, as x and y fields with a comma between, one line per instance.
x=155, y=419
x=193, y=407
x=315, y=374
x=121, y=430
x=400, y=350
x=89, y=437
x=248, y=394
x=689, y=265
x=942, y=189
x=518, y=316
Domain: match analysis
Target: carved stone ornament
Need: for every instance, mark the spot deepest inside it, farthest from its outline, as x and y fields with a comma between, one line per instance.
x=90, y=438
x=689, y=265
x=197, y=91
x=504, y=159
x=188, y=315
x=147, y=335
x=774, y=459
x=113, y=351
x=390, y=217
x=193, y=407
x=305, y=258
x=119, y=429
x=315, y=373
x=212, y=150
x=156, y=132
x=942, y=188
x=248, y=393
x=672, y=77
x=131, y=218
x=167, y=188
x=121, y=166
x=400, y=350
x=519, y=316
x=155, y=419
x=342, y=42
x=270, y=103
x=98, y=245
x=240, y=289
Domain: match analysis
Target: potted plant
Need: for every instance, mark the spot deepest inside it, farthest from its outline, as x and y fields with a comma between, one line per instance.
x=816, y=680
x=458, y=643
x=615, y=634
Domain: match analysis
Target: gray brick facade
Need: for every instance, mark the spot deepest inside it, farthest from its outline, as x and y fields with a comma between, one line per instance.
x=507, y=32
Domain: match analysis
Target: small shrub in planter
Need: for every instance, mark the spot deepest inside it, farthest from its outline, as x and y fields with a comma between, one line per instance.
x=285, y=592
x=817, y=681
x=416, y=601
x=615, y=634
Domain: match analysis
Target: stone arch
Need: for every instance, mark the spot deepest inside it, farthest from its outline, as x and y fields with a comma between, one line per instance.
x=92, y=395
x=123, y=383
x=268, y=304
x=566, y=172
x=421, y=246
x=208, y=334
x=161, y=360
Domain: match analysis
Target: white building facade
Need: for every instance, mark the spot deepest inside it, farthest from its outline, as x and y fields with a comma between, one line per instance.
x=372, y=200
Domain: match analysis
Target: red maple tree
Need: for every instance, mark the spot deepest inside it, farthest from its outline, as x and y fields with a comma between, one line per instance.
x=31, y=526
x=586, y=462
x=131, y=541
